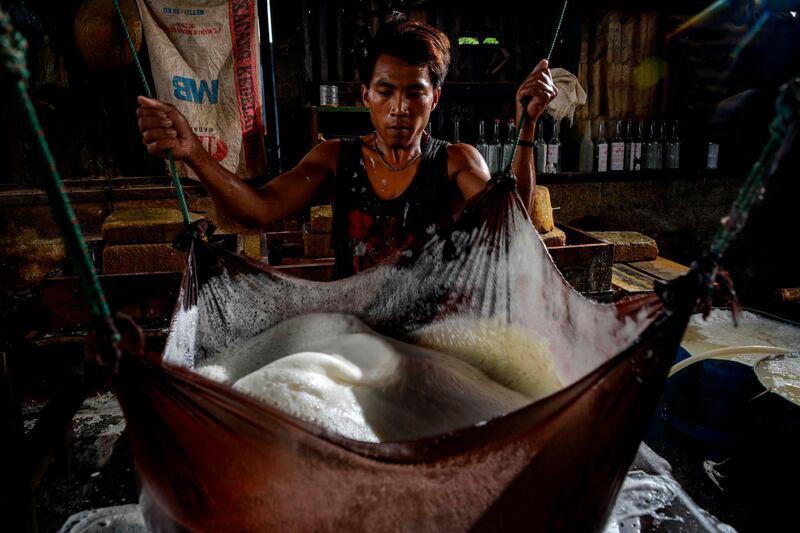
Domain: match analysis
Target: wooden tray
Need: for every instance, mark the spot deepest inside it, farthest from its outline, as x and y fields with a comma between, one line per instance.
x=585, y=261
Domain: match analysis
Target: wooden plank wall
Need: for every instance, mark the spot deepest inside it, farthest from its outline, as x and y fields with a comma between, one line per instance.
x=621, y=64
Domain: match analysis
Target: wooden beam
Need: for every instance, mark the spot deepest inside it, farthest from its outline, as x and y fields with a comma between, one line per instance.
x=631, y=280
x=660, y=268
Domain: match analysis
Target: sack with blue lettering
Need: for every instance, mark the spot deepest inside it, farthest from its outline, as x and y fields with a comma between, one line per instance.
x=205, y=60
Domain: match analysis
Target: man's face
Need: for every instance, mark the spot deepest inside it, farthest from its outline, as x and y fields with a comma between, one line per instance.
x=400, y=98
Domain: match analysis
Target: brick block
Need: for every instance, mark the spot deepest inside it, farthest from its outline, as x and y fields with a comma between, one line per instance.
x=322, y=219
x=137, y=258
x=143, y=225
x=542, y=211
x=629, y=245
x=252, y=246
x=556, y=237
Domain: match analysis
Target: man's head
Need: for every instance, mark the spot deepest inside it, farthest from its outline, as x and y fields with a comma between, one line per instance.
x=401, y=76
x=414, y=42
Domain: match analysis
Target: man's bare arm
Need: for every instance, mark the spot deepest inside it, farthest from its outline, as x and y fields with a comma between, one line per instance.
x=163, y=128
x=466, y=166
x=284, y=195
x=539, y=88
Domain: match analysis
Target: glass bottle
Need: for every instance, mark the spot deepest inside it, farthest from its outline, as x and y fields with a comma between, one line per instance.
x=712, y=155
x=541, y=149
x=587, y=148
x=480, y=144
x=601, y=149
x=509, y=144
x=494, y=155
x=652, y=148
x=635, y=155
x=626, y=165
x=456, y=128
x=554, y=152
x=674, y=147
x=617, y=148
x=646, y=144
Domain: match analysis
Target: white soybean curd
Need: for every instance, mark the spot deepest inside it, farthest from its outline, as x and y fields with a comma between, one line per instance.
x=331, y=369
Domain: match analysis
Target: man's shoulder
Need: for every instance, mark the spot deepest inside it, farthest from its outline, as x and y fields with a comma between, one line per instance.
x=461, y=155
x=460, y=149
x=325, y=152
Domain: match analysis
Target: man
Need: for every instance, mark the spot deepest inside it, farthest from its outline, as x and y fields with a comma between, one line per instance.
x=393, y=187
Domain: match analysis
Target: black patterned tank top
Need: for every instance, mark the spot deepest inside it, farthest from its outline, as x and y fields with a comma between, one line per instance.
x=368, y=229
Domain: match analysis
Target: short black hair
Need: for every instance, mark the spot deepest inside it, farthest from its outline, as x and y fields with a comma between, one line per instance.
x=413, y=41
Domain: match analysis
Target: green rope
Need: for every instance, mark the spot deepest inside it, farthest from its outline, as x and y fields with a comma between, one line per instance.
x=558, y=30
x=173, y=170
x=13, y=47
x=782, y=130
x=526, y=101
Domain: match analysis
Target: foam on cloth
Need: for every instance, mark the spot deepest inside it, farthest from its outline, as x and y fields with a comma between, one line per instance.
x=718, y=331
x=781, y=375
x=473, y=325
x=503, y=352
x=363, y=385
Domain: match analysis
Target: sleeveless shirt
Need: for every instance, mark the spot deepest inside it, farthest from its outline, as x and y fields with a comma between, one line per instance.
x=368, y=229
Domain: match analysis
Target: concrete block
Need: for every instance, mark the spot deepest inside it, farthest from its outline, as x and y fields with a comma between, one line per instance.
x=143, y=225
x=136, y=258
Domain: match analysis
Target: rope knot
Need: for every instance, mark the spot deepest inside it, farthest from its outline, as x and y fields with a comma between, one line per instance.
x=13, y=48
x=698, y=287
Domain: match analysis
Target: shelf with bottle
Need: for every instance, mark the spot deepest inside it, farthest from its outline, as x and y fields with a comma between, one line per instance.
x=621, y=145
x=625, y=176
x=350, y=91
x=327, y=123
x=495, y=152
x=339, y=109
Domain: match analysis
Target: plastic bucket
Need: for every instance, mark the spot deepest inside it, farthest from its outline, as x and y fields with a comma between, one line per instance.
x=704, y=403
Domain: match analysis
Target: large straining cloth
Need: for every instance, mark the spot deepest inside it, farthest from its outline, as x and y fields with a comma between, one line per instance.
x=488, y=293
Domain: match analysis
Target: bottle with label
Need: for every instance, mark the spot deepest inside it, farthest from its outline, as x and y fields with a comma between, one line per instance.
x=541, y=149
x=617, y=148
x=635, y=153
x=647, y=143
x=509, y=144
x=601, y=149
x=554, y=152
x=652, y=148
x=587, y=148
x=628, y=144
x=494, y=149
x=480, y=143
x=674, y=147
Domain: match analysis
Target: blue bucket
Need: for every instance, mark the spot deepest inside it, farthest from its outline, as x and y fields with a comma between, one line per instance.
x=702, y=405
